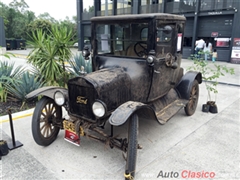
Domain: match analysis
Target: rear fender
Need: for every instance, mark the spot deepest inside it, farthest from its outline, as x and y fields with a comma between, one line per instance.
x=48, y=91
x=123, y=112
x=185, y=85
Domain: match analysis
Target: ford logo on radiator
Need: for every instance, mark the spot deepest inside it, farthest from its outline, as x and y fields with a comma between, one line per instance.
x=81, y=100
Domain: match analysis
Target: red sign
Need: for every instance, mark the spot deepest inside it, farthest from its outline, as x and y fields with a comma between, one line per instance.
x=235, y=55
x=214, y=34
x=236, y=42
x=72, y=137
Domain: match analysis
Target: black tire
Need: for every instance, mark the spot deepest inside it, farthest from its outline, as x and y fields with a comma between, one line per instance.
x=45, y=114
x=132, y=146
x=191, y=106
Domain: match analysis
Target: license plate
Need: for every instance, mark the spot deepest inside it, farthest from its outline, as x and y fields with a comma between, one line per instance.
x=72, y=137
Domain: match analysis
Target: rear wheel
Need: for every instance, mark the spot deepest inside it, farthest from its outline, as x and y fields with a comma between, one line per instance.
x=193, y=100
x=45, y=115
x=132, y=147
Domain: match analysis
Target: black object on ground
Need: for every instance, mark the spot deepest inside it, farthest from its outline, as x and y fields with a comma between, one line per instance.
x=14, y=144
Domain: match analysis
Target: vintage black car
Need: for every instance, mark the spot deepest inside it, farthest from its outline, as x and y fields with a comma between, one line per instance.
x=136, y=74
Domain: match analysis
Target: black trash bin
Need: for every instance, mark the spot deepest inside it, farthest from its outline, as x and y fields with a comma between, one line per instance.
x=20, y=43
x=10, y=44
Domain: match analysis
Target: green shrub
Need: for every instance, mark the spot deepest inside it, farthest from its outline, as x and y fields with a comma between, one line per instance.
x=26, y=84
x=51, y=51
x=211, y=72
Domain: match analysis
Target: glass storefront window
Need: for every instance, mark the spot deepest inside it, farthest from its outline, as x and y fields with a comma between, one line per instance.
x=124, y=6
x=148, y=2
x=106, y=4
x=151, y=6
x=106, y=8
x=88, y=10
x=123, y=3
x=87, y=5
x=145, y=2
x=180, y=6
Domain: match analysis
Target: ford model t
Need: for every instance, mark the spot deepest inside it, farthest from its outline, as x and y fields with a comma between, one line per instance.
x=136, y=74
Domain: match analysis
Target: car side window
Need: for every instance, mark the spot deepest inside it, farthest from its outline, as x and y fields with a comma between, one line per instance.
x=164, y=37
x=164, y=34
x=144, y=34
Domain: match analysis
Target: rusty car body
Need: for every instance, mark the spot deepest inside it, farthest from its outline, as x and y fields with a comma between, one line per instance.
x=136, y=74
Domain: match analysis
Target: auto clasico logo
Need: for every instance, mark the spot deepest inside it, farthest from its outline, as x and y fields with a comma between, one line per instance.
x=187, y=174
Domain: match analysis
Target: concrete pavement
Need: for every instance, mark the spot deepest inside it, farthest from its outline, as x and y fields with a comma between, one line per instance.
x=205, y=144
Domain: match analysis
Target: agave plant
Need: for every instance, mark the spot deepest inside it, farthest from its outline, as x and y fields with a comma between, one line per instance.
x=26, y=84
x=76, y=64
x=6, y=54
x=8, y=75
x=4, y=81
x=7, y=70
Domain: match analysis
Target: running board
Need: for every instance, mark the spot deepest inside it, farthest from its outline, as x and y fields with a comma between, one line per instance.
x=167, y=112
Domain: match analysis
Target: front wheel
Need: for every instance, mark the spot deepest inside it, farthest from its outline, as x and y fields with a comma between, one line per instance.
x=132, y=147
x=193, y=100
x=45, y=115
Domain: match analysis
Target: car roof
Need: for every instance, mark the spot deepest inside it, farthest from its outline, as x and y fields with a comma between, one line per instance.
x=129, y=17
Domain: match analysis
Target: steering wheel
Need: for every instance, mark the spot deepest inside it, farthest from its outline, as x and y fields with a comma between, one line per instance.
x=142, y=51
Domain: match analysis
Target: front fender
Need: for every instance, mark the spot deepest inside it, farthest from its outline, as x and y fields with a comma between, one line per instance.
x=123, y=112
x=47, y=91
x=184, y=86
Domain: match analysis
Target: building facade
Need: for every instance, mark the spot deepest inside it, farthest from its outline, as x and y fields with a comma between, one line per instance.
x=216, y=21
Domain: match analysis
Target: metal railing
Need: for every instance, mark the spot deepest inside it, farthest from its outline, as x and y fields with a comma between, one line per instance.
x=180, y=7
x=172, y=7
x=207, y=5
x=102, y=13
x=153, y=8
x=87, y=15
x=127, y=10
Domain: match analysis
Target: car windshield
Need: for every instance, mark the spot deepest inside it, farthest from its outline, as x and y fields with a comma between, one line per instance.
x=122, y=39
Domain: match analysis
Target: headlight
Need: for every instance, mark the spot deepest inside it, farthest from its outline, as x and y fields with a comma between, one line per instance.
x=99, y=109
x=59, y=98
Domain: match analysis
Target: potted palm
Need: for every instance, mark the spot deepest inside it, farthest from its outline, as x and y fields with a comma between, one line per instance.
x=211, y=72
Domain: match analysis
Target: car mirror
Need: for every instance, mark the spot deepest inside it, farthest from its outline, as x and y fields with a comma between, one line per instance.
x=86, y=52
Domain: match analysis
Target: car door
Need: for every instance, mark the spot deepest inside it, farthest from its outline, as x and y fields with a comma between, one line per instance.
x=163, y=78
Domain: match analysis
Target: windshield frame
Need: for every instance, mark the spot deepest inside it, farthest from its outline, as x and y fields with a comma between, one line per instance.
x=95, y=35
